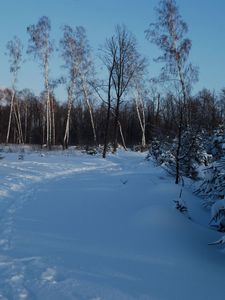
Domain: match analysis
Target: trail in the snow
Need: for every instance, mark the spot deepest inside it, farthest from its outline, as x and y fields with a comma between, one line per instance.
x=92, y=229
x=19, y=183
x=23, y=178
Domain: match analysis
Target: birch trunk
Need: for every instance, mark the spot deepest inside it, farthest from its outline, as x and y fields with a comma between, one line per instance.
x=10, y=118
x=44, y=122
x=141, y=117
x=67, y=129
x=84, y=87
x=25, y=123
x=48, y=106
x=53, y=121
x=18, y=119
x=122, y=137
x=14, y=110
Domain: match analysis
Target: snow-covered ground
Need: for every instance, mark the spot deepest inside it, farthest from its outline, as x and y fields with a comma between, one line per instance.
x=74, y=226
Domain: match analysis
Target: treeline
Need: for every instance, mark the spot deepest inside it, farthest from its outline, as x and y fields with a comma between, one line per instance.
x=206, y=112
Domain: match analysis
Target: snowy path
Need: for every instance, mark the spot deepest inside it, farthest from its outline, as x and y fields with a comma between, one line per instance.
x=79, y=227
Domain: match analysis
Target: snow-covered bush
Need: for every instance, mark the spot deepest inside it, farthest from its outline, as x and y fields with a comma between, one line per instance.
x=212, y=190
x=192, y=153
x=212, y=187
x=161, y=152
x=217, y=144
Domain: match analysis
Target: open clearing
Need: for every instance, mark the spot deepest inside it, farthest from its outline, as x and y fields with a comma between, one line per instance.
x=74, y=226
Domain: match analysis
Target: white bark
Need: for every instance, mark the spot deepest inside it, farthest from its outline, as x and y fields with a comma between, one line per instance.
x=53, y=121
x=85, y=90
x=18, y=120
x=141, y=117
x=14, y=110
x=67, y=129
x=10, y=118
x=48, y=104
x=122, y=137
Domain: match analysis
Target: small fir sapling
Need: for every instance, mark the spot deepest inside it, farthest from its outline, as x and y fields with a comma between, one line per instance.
x=212, y=188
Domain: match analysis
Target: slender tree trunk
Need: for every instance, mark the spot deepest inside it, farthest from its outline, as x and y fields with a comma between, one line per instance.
x=181, y=121
x=47, y=123
x=18, y=118
x=115, y=132
x=144, y=126
x=118, y=127
x=14, y=110
x=89, y=109
x=17, y=123
x=48, y=106
x=53, y=120
x=179, y=145
x=44, y=123
x=67, y=128
x=25, y=123
x=122, y=137
x=141, y=118
x=106, y=136
x=10, y=117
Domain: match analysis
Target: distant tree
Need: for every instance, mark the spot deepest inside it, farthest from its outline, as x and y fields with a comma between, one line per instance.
x=14, y=51
x=109, y=60
x=208, y=110
x=41, y=47
x=87, y=77
x=168, y=33
x=121, y=56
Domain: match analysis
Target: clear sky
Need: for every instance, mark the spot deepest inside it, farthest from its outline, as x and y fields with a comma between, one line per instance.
x=205, y=18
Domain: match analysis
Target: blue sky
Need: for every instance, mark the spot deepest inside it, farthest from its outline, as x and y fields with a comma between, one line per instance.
x=205, y=19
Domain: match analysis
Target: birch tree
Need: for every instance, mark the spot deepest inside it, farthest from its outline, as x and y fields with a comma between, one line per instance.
x=168, y=33
x=86, y=75
x=76, y=54
x=14, y=51
x=41, y=47
x=69, y=53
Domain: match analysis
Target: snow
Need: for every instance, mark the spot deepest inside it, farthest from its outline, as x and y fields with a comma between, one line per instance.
x=74, y=226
